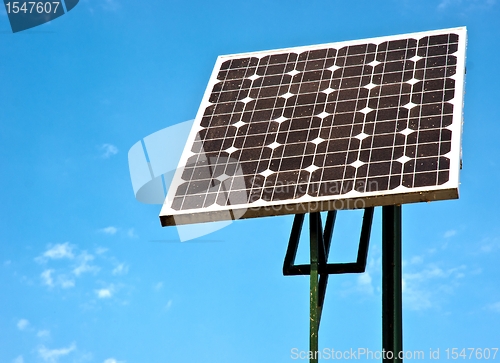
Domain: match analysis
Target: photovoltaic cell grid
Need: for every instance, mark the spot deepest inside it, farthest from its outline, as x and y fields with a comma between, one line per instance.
x=338, y=121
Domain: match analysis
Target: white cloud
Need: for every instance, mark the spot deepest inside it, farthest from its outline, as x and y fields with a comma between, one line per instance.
x=22, y=324
x=364, y=283
x=121, y=269
x=59, y=251
x=487, y=248
x=471, y=4
x=131, y=233
x=426, y=288
x=65, y=264
x=43, y=334
x=108, y=150
x=19, y=359
x=65, y=282
x=83, y=266
x=113, y=360
x=430, y=272
x=445, y=3
x=495, y=307
x=489, y=245
x=110, y=5
x=47, y=277
x=104, y=293
x=109, y=230
x=450, y=233
x=415, y=298
x=101, y=250
x=62, y=280
x=158, y=286
x=416, y=260
x=169, y=304
x=53, y=355
x=84, y=357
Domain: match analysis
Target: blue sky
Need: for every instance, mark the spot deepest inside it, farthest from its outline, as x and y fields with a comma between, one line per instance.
x=87, y=273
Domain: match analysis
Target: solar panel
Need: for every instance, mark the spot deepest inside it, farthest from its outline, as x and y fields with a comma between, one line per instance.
x=334, y=126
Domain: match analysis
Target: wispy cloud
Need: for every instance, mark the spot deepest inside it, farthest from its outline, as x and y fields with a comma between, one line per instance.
x=22, y=324
x=468, y=4
x=43, y=334
x=84, y=265
x=108, y=150
x=416, y=260
x=494, y=307
x=445, y=3
x=109, y=230
x=53, y=355
x=450, y=233
x=65, y=282
x=65, y=264
x=57, y=252
x=121, y=269
x=80, y=262
x=112, y=230
x=169, y=304
x=426, y=288
x=158, y=286
x=489, y=245
x=113, y=360
x=61, y=280
x=47, y=277
x=104, y=293
x=101, y=250
x=131, y=233
x=364, y=283
x=110, y=5
x=19, y=359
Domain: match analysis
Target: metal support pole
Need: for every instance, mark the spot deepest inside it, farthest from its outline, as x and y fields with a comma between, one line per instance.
x=392, y=311
x=314, y=221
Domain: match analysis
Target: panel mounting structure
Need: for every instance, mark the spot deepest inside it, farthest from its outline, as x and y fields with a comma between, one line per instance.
x=343, y=125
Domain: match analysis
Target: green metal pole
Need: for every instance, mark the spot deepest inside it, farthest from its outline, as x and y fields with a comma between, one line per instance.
x=392, y=311
x=314, y=295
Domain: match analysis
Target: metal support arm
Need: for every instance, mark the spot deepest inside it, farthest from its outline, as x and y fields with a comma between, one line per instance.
x=319, y=268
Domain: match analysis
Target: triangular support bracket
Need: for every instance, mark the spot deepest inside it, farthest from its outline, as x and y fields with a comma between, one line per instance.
x=320, y=269
x=289, y=267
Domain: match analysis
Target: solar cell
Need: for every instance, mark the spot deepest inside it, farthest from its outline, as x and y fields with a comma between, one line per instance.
x=332, y=126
